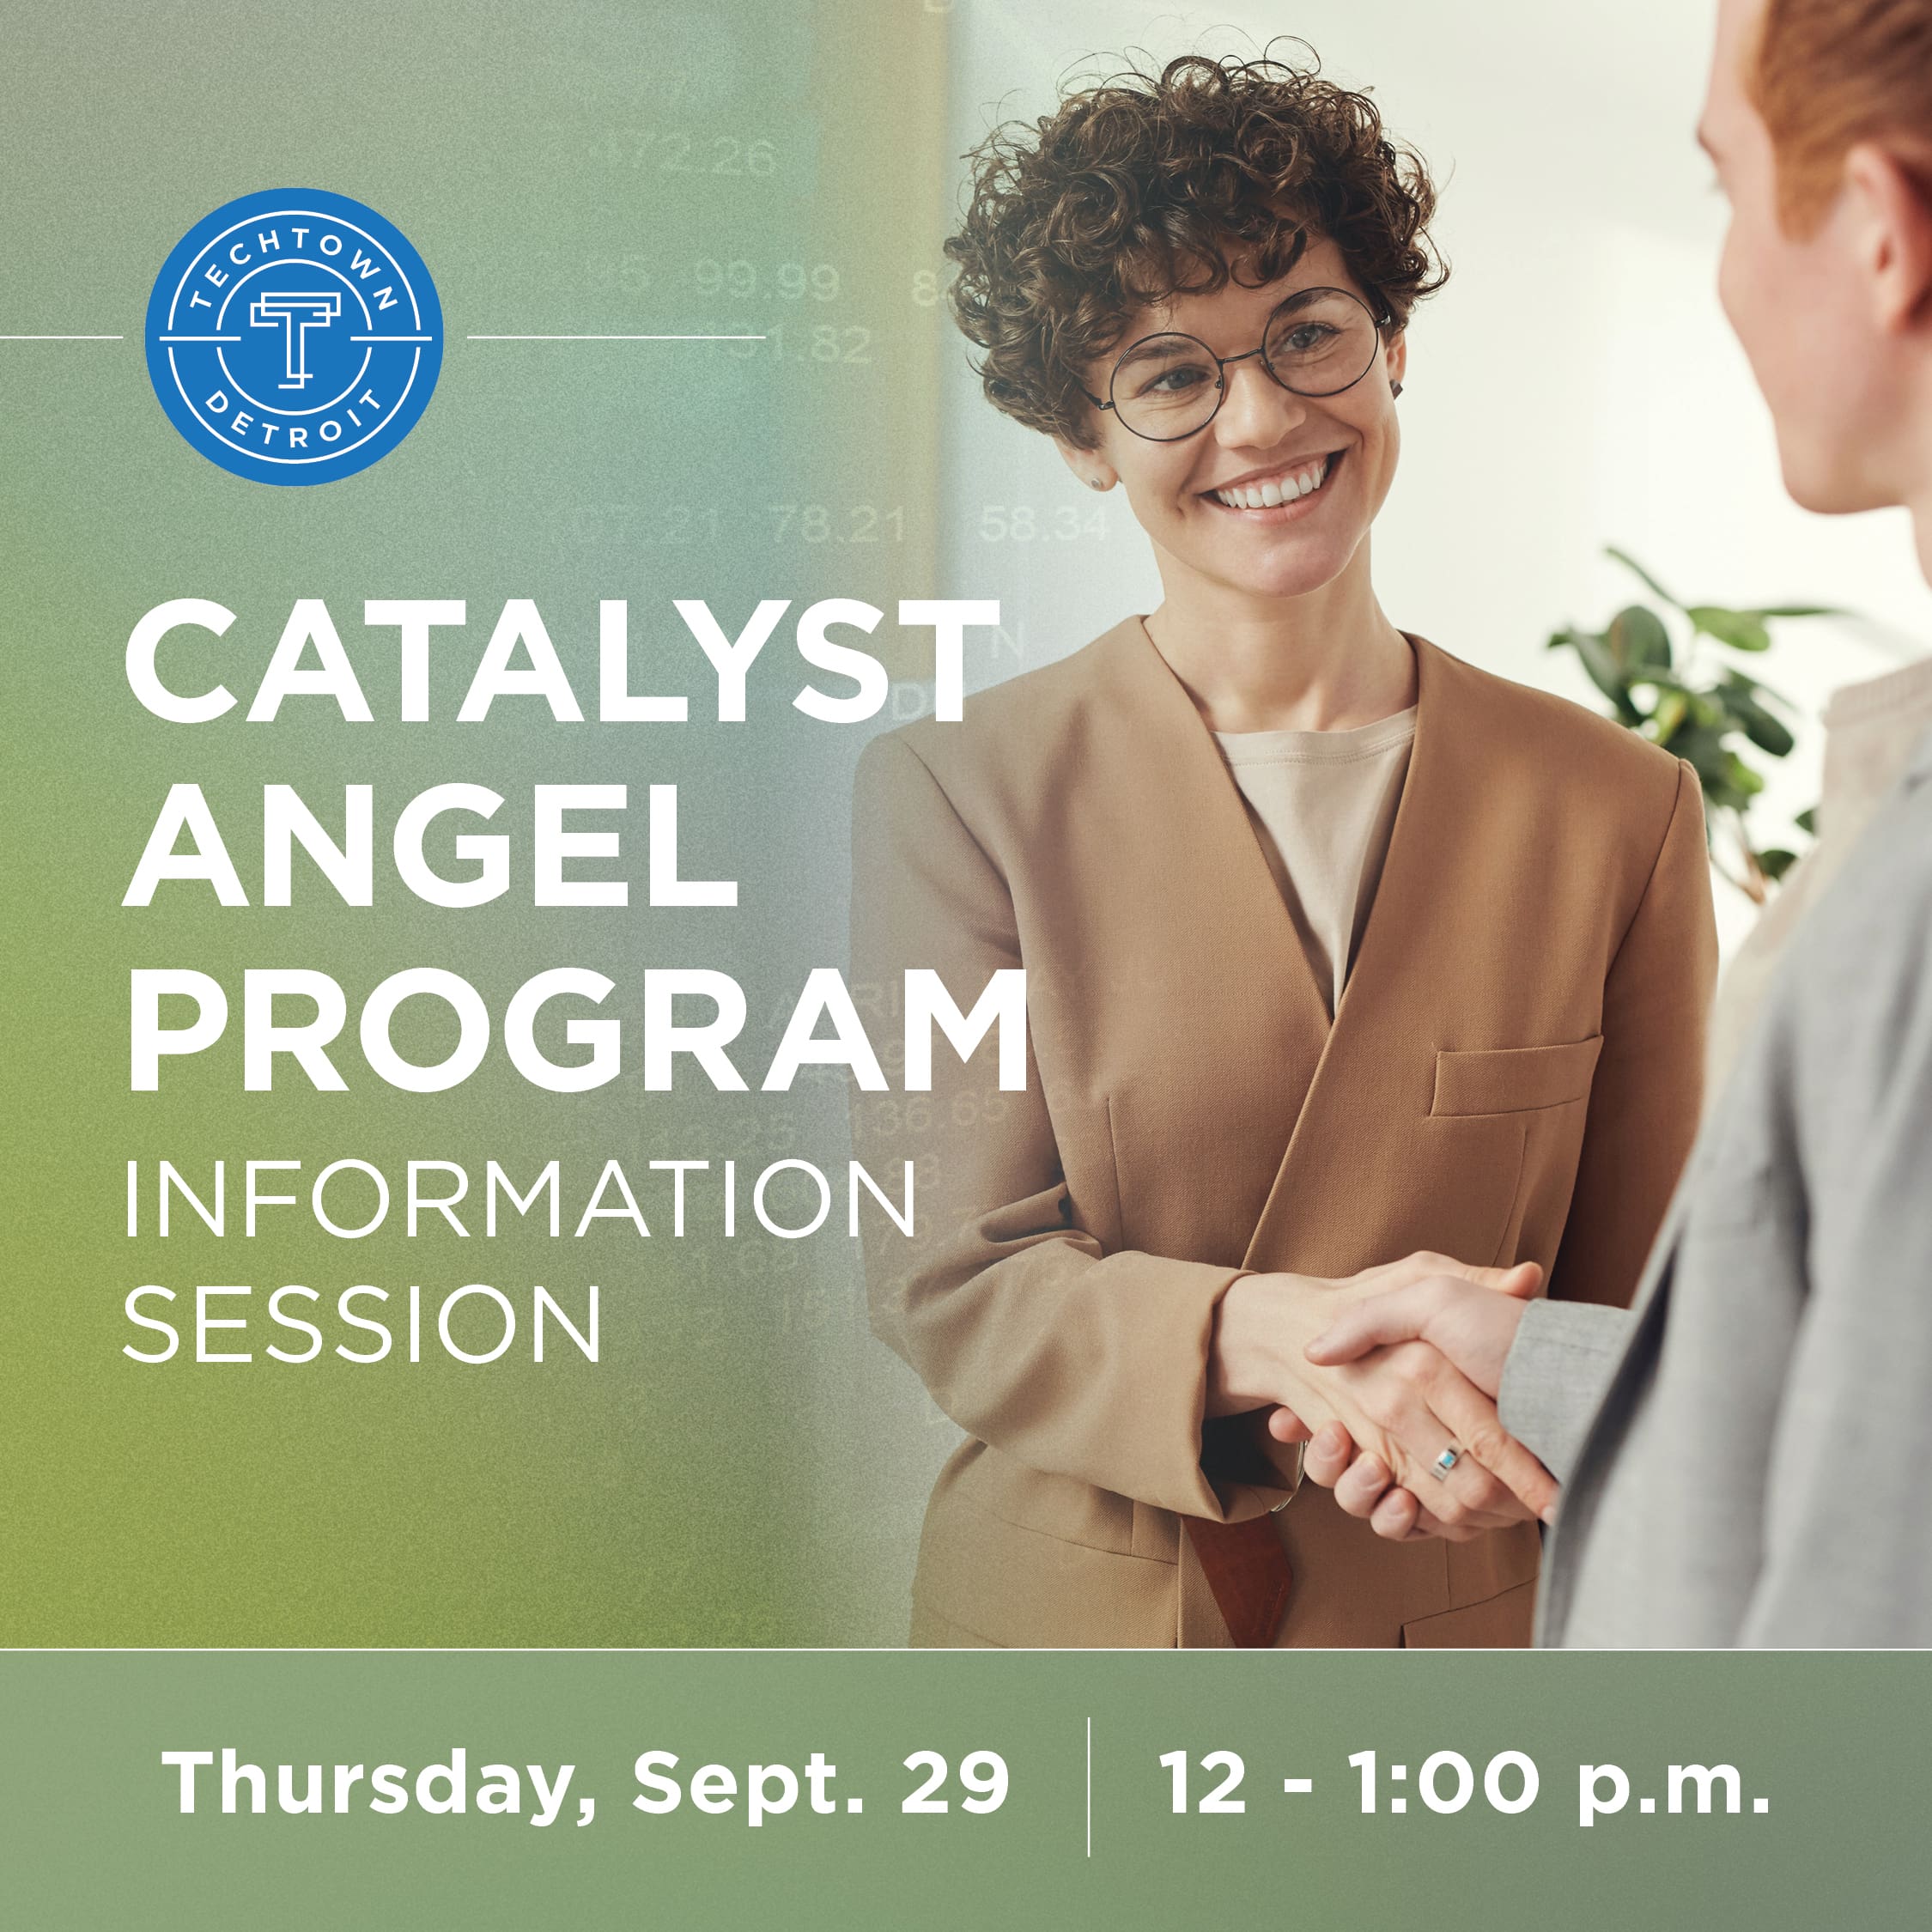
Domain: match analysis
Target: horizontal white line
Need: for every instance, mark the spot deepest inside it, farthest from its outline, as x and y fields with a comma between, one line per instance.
x=615, y=338
x=408, y=338
x=1298, y=1785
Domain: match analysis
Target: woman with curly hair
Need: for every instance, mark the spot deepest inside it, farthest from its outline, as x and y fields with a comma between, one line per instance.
x=1346, y=963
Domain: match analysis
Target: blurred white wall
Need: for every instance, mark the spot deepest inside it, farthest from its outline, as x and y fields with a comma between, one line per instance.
x=1575, y=385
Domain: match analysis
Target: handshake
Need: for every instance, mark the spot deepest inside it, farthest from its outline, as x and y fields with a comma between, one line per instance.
x=1390, y=1376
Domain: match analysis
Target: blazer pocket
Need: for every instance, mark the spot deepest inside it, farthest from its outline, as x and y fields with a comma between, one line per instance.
x=1505, y=1622
x=1514, y=1079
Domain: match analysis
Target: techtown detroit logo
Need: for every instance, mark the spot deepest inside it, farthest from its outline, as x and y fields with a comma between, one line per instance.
x=294, y=336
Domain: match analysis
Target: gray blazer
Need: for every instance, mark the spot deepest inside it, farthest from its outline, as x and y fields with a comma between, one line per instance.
x=1747, y=1456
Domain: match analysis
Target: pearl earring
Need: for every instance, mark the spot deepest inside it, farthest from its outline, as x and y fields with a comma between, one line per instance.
x=1094, y=483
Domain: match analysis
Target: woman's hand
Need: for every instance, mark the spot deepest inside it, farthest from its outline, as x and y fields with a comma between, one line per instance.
x=1470, y=1325
x=1473, y=1329
x=1399, y=1405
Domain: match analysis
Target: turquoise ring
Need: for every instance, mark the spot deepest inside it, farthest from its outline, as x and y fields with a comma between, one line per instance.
x=1444, y=1462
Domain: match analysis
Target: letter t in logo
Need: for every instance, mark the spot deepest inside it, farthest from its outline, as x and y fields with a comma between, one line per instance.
x=297, y=311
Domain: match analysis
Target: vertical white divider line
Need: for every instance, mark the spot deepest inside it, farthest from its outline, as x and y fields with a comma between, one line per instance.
x=1090, y=1788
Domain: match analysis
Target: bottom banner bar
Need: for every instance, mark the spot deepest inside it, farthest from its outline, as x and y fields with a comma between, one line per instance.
x=984, y=1788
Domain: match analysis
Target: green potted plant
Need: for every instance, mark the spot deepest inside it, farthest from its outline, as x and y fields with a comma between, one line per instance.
x=1702, y=706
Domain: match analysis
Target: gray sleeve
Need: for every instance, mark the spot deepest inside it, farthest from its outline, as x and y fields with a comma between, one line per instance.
x=1848, y=1538
x=1556, y=1371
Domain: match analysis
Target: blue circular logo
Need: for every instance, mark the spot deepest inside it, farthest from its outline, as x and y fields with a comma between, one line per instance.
x=294, y=336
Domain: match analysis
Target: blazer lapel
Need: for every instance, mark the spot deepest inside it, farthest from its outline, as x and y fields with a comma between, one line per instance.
x=1221, y=835
x=1441, y=879
x=1199, y=941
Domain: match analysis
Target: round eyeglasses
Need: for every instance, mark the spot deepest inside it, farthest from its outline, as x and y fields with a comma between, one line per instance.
x=1318, y=343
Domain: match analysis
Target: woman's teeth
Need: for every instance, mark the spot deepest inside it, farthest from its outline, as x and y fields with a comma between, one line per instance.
x=1277, y=489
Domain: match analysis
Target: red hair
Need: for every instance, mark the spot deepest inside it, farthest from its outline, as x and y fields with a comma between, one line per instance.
x=1830, y=74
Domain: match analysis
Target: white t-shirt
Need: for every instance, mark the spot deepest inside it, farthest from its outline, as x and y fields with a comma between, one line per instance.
x=1323, y=806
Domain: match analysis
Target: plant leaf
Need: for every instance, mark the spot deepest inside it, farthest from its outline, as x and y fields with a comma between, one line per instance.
x=1637, y=569
x=1704, y=749
x=1763, y=731
x=1776, y=862
x=1736, y=678
x=1601, y=665
x=1704, y=708
x=1743, y=630
x=1638, y=639
x=1736, y=699
x=1746, y=780
x=1807, y=820
x=1728, y=783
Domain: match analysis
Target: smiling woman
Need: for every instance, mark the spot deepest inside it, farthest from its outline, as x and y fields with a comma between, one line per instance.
x=1346, y=960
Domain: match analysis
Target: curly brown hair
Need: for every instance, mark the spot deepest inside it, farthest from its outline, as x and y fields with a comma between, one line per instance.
x=1145, y=186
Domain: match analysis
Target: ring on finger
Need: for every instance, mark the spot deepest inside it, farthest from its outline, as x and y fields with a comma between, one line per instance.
x=1443, y=1463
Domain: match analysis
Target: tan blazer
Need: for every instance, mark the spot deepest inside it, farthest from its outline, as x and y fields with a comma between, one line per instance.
x=1513, y=1073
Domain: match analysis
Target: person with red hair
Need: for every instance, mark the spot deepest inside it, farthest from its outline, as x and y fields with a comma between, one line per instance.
x=1741, y=1453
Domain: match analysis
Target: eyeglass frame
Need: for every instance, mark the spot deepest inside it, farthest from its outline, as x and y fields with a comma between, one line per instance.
x=1221, y=363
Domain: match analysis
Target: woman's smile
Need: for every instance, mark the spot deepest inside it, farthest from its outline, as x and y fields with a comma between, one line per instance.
x=1283, y=494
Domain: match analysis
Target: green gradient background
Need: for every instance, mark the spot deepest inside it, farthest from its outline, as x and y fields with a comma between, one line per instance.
x=657, y=1497
x=1837, y=1745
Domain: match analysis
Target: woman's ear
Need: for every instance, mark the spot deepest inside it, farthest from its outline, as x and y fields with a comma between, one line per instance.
x=1089, y=466
x=1395, y=358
